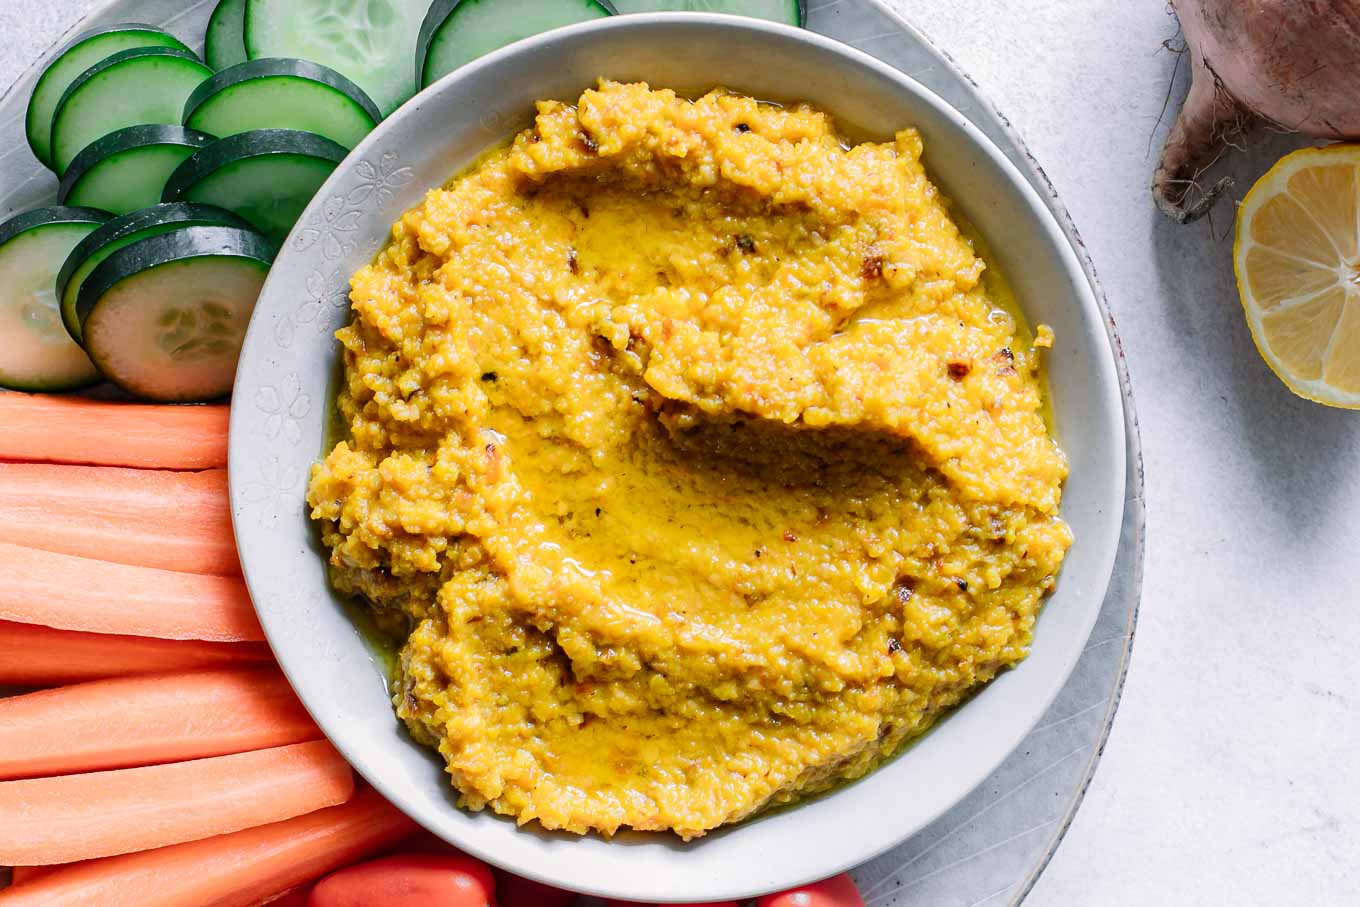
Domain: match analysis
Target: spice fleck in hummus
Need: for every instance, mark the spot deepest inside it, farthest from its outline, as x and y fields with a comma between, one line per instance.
x=691, y=458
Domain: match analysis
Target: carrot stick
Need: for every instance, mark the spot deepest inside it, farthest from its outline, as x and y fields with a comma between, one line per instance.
x=40, y=656
x=77, y=593
x=101, y=814
x=238, y=870
x=149, y=720
x=78, y=430
x=20, y=874
x=144, y=517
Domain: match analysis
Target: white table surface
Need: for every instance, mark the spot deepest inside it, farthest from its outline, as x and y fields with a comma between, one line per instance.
x=1233, y=773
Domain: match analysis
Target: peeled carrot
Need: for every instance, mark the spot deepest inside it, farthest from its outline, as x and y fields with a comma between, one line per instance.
x=78, y=593
x=40, y=656
x=78, y=430
x=101, y=814
x=144, y=517
x=149, y=720
x=20, y=874
x=238, y=870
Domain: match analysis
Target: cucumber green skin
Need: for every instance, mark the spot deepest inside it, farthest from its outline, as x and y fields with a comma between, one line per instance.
x=626, y=7
x=36, y=220
x=41, y=217
x=100, y=71
x=125, y=230
x=126, y=141
x=241, y=76
x=42, y=103
x=244, y=147
x=180, y=245
x=166, y=249
x=257, y=21
x=441, y=11
x=224, y=43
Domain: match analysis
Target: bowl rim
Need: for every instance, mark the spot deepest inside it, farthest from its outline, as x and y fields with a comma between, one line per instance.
x=1084, y=296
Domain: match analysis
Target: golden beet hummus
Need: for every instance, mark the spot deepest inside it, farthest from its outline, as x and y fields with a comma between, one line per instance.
x=692, y=460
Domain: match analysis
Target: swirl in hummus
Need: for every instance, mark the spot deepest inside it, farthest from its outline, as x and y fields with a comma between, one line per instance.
x=692, y=460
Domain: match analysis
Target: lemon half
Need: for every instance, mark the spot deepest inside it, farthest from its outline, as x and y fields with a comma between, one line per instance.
x=1297, y=259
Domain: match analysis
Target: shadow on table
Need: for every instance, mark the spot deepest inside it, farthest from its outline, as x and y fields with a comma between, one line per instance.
x=1297, y=448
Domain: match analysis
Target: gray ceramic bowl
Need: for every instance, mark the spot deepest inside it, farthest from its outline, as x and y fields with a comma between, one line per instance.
x=280, y=416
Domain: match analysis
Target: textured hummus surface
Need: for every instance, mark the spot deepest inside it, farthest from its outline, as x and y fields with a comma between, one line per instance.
x=692, y=460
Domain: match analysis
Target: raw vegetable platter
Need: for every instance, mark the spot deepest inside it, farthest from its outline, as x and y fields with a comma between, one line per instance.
x=994, y=844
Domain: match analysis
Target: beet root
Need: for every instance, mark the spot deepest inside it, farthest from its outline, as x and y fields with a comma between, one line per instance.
x=1293, y=65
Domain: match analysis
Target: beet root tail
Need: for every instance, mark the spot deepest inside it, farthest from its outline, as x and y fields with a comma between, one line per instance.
x=1209, y=122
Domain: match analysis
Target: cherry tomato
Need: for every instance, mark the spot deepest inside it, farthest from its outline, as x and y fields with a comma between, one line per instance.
x=513, y=891
x=409, y=880
x=834, y=892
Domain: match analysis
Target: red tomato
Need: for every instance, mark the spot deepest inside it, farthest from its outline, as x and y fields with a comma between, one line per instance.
x=834, y=892
x=409, y=880
x=513, y=891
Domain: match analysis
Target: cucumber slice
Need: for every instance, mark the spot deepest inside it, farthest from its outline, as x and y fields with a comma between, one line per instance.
x=83, y=52
x=36, y=353
x=456, y=32
x=371, y=41
x=282, y=94
x=164, y=317
x=266, y=176
x=224, y=44
x=122, y=232
x=790, y=12
x=131, y=88
x=126, y=171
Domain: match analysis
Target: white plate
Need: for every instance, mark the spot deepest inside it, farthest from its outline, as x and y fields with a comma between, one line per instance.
x=280, y=414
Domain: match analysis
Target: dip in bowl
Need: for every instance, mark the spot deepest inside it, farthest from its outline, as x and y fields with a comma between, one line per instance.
x=554, y=470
